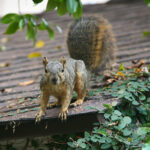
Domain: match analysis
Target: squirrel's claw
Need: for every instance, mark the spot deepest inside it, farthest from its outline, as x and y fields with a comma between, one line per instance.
x=63, y=115
x=77, y=102
x=39, y=116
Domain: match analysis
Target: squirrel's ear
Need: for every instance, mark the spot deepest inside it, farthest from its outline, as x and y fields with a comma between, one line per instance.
x=45, y=62
x=63, y=61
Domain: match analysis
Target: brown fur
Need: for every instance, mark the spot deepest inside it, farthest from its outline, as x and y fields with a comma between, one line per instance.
x=91, y=39
x=74, y=77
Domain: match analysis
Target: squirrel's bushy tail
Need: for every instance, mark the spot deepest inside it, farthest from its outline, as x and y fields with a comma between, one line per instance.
x=91, y=39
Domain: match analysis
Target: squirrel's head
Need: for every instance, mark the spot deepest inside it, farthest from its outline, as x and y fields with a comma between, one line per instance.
x=55, y=70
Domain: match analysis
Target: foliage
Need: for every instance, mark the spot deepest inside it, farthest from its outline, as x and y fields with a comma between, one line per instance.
x=126, y=126
x=147, y=2
x=33, y=24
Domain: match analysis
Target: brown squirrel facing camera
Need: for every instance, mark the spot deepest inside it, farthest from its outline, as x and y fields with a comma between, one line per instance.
x=92, y=45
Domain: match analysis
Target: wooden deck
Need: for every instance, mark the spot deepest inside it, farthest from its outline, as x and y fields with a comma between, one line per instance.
x=19, y=104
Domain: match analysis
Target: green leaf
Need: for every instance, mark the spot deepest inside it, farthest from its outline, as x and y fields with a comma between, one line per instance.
x=21, y=24
x=61, y=9
x=127, y=120
x=141, y=131
x=121, y=68
x=114, y=117
x=71, y=144
x=142, y=110
x=135, y=102
x=142, y=97
x=146, y=146
x=31, y=32
x=147, y=2
x=72, y=6
x=108, y=106
x=105, y=146
x=126, y=132
x=78, y=13
x=82, y=145
x=121, y=125
x=106, y=115
x=86, y=134
x=37, y=1
x=118, y=113
x=33, y=21
x=8, y=18
x=146, y=33
x=43, y=25
x=51, y=5
x=148, y=99
x=51, y=33
x=91, y=93
x=12, y=28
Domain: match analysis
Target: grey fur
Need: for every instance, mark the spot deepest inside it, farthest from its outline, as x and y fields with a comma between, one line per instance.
x=90, y=37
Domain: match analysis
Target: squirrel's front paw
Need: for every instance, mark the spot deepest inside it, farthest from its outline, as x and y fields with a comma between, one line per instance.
x=39, y=116
x=63, y=115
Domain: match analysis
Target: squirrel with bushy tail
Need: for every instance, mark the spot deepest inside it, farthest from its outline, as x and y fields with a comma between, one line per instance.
x=92, y=48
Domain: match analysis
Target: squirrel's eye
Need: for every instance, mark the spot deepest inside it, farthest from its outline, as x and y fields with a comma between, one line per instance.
x=62, y=70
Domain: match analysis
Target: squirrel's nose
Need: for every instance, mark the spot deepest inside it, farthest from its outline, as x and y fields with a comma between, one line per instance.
x=54, y=80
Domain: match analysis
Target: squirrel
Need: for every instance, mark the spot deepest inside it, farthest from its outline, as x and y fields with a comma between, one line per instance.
x=91, y=39
x=92, y=45
x=60, y=79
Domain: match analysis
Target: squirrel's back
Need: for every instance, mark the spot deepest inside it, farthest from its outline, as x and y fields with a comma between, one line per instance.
x=91, y=39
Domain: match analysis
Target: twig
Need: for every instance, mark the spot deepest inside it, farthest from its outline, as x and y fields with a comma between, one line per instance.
x=19, y=10
x=26, y=144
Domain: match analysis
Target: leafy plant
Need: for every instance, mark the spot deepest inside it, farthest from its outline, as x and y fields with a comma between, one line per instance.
x=33, y=24
x=126, y=126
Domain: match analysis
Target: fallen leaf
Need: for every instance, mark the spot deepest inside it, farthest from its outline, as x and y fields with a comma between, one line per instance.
x=23, y=110
x=21, y=100
x=109, y=81
x=58, y=47
x=145, y=69
x=11, y=105
x=34, y=55
x=2, y=90
x=18, y=111
x=2, y=48
x=26, y=83
x=2, y=65
x=35, y=109
x=8, y=90
x=119, y=74
x=137, y=70
x=10, y=114
x=39, y=44
x=5, y=39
